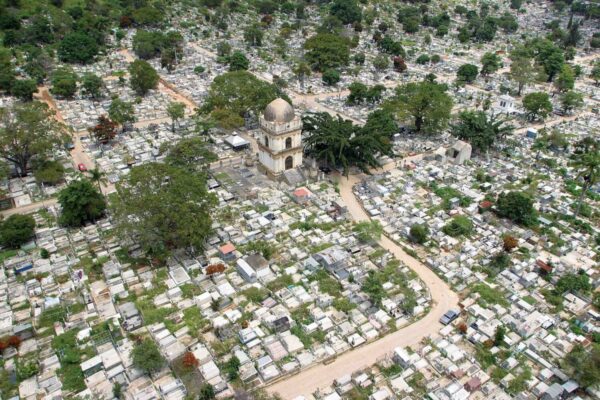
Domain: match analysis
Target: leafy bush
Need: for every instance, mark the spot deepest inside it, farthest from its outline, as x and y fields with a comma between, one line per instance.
x=460, y=225
x=16, y=230
x=147, y=357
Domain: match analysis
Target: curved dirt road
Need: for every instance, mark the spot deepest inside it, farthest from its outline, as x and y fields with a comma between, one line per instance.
x=320, y=376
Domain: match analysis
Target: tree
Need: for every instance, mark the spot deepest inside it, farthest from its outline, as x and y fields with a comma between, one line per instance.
x=374, y=288
x=26, y=131
x=23, y=89
x=121, y=111
x=466, y=73
x=550, y=57
x=339, y=143
x=189, y=154
x=80, y=202
x=358, y=93
x=301, y=70
x=327, y=50
x=586, y=160
x=595, y=73
x=97, y=176
x=253, y=35
x=522, y=71
x=499, y=335
x=154, y=205
x=232, y=367
x=573, y=283
x=147, y=357
x=206, y=392
x=64, y=82
x=176, y=112
x=566, y=79
x=48, y=172
x=237, y=93
x=426, y=103
x=537, y=105
x=368, y=231
x=77, y=47
x=381, y=62
x=584, y=365
x=516, y=206
x=490, y=63
x=375, y=93
x=571, y=100
x=16, y=230
x=419, y=233
x=105, y=130
x=480, y=130
x=347, y=11
x=92, y=85
x=331, y=77
x=238, y=61
x=142, y=77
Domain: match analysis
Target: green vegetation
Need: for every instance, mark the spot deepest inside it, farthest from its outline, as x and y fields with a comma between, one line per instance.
x=158, y=214
x=490, y=295
x=459, y=225
x=16, y=230
x=80, y=202
x=339, y=143
x=147, y=357
x=518, y=207
x=368, y=231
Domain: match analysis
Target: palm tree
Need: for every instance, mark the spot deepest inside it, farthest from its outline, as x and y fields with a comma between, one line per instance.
x=98, y=177
x=586, y=160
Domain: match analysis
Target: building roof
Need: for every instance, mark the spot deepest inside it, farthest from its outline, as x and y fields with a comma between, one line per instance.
x=279, y=110
x=227, y=248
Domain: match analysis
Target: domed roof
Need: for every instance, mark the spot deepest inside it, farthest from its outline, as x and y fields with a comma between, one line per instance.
x=279, y=110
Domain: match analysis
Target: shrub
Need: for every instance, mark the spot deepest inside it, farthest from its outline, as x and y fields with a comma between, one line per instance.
x=460, y=225
x=16, y=230
x=419, y=233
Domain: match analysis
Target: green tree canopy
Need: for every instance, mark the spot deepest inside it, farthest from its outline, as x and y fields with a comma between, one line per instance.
x=516, y=206
x=584, y=365
x=64, y=82
x=190, y=154
x=147, y=357
x=16, y=230
x=142, y=77
x=92, y=85
x=238, y=61
x=121, y=111
x=490, y=63
x=27, y=130
x=164, y=208
x=419, y=233
x=239, y=92
x=339, y=143
x=571, y=100
x=80, y=202
x=327, y=50
x=586, y=161
x=537, y=105
x=176, y=112
x=77, y=47
x=347, y=11
x=426, y=104
x=466, y=73
x=480, y=130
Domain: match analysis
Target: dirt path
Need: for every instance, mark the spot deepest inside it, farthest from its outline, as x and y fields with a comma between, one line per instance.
x=443, y=298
